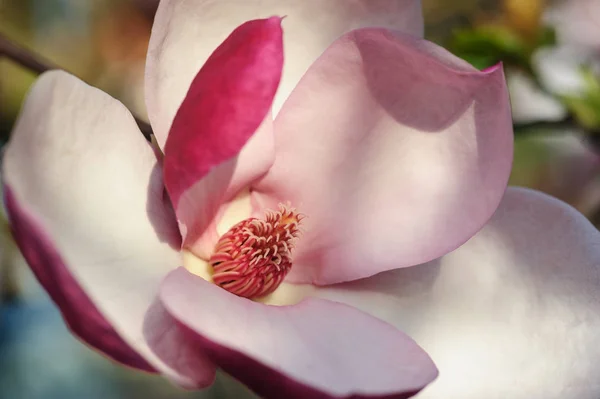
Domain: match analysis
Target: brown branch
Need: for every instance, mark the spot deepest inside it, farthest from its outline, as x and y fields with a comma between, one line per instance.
x=34, y=63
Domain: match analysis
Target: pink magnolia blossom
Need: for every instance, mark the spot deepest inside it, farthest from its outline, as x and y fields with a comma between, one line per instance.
x=394, y=152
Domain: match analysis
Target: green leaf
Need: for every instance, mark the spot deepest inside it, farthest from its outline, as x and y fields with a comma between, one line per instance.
x=486, y=45
x=585, y=107
x=547, y=37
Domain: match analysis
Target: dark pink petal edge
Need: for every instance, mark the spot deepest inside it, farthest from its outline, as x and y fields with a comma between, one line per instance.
x=78, y=311
x=265, y=380
x=279, y=352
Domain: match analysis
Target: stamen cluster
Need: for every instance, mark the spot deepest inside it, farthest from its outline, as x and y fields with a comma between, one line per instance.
x=254, y=256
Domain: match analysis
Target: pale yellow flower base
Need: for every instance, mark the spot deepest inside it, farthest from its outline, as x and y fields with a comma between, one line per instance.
x=238, y=210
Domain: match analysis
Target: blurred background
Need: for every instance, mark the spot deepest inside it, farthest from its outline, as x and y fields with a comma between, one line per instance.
x=551, y=55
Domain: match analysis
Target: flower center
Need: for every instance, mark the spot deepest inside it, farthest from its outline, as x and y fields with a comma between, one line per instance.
x=254, y=256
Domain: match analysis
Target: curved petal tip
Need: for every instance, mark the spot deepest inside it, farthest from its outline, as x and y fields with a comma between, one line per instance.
x=315, y=349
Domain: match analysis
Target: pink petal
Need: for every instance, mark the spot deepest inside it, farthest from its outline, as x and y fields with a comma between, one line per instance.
x=513, y=313
x=316, y=349
x=397, y=152
x=186, y=32
x=86, y=201
x=227, y=102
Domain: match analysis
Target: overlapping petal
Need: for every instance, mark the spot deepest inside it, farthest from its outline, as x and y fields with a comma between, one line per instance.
x=208, y=155
x=397, y=152
x=315, y=349
x=513, y=313
x=186, y=32
x=87, y=203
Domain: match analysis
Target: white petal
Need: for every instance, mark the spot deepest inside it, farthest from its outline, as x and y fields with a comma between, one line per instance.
x=85, y=197
x=514, y=313
x=186, y=32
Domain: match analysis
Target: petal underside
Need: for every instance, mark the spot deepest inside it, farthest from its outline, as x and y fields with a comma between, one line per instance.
x=86, y=200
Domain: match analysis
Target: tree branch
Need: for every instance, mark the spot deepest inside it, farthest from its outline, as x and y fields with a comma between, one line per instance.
x=36, y=64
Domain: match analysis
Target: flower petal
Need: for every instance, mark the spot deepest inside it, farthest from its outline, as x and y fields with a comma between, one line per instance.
x=186, y=32
x=227, y=102
x=397, y=152
x=315, y=349
x=81, y=315
x=86, y=202
x=513, y=313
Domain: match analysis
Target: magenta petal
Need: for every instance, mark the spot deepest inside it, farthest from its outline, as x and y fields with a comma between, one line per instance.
x=79, y=312
x=316, y=349
x=226, y=103
x=397, y=152
x=186, y=32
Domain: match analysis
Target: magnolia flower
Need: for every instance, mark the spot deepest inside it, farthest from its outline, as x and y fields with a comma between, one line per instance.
x=273, y=240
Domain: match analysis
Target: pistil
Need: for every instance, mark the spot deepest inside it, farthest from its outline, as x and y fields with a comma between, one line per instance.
x=254, y=256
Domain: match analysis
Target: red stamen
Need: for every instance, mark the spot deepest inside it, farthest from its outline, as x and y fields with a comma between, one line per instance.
x=254, y=256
